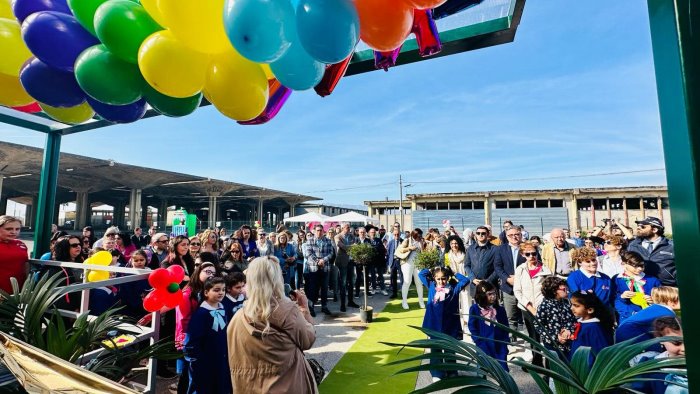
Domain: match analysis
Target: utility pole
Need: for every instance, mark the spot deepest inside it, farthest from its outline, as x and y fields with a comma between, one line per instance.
x=401, y=201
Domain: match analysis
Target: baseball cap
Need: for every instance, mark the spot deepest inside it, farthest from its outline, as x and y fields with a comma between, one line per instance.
x=650, y=220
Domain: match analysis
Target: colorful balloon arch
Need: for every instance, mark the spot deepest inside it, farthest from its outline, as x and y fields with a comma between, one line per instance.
x=74, y=59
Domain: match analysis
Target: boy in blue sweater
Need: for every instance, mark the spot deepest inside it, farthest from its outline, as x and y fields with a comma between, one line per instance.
x=587, y=278
x=640, y=325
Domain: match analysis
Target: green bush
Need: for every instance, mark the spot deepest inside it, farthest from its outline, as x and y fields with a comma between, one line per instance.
x=428, y=258
x=361, y=253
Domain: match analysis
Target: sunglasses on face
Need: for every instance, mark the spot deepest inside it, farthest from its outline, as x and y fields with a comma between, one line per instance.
x=74, y=245
x=195, y=244
x=163, y=241
x=481, y=233
x=530, y=254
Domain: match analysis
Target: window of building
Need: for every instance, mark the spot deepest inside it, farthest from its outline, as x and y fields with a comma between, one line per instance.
x=501, y=204
x=443, y=206
x=664, y=203
x=616, y=204
x=541, y=203
x=420, y=206
x=633, y=203
x=600, y=204
x=513, y=204
x=431, y=206
x=528, y=203
x=649, y=203
x=556, y=203
x=478, y=204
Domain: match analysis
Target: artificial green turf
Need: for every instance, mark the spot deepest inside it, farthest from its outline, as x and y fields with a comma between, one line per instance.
x=363, y=368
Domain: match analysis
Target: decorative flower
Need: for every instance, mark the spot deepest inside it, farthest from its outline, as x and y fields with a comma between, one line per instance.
x=166, y=288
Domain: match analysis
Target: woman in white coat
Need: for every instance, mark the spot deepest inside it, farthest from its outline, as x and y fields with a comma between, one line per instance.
x=410, y=248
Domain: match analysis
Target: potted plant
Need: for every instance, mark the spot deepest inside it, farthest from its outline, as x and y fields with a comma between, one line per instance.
x=427, y=259
x=362, y=254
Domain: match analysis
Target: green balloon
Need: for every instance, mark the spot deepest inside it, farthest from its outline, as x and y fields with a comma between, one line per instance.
x=108, y=79
x=171, y=106
x=84, y=12
x=122, y=26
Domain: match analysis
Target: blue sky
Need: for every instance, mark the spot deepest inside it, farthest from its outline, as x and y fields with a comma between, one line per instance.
x=574, y=94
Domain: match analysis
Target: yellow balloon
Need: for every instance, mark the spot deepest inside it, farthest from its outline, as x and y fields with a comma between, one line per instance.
x=199, y=24
x=13, y=52
x=236, y=86
x=12, y=93
x=153, y=9
x=268, y=71
x=101, y=258
x=73, y=115
x=6, y=9
x=170, y=67
x=96, y=276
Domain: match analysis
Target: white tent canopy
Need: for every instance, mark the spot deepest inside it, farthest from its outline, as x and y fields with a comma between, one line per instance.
x=308, y=217
x=353, y=217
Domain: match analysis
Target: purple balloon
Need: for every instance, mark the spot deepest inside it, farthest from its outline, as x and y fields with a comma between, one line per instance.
x=386, y=59
x=24, y=8
x=50, y=86
x=56, y=39
x=119, y=113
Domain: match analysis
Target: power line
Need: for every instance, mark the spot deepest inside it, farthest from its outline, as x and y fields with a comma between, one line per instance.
x=351, y=188
x=546, y=178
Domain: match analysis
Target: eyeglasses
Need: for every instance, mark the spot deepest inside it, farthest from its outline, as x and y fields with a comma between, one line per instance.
x=162, y=241
x=74, y=245
x=209, y=272
x=195, y=244
x=481, y=233
x=563, y=288
x=530, y=254
x=513, y=235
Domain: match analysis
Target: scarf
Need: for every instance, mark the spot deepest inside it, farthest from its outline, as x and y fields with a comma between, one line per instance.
x=488, y=313
x=456, y=259
x=219, y=322
x=440, y=293
x=634, y=283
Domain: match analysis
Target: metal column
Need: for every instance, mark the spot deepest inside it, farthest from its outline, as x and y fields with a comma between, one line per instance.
x=677, y=63
x=44, y=211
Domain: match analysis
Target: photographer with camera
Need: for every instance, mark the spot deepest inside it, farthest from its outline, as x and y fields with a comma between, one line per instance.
x=612, y=228
x=268, y=337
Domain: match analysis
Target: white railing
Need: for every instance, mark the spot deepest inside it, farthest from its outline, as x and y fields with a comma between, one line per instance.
x=141, y=333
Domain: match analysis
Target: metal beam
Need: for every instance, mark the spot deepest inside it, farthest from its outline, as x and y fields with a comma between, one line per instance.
x=44, y=211
x=677, y=62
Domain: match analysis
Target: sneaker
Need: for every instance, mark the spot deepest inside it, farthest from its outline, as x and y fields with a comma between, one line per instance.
x=385, y=293
x=404, y=305
x=436, y=380
x=421, y=305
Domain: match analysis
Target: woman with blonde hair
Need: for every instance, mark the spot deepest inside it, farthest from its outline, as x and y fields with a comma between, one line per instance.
x=195, y=246
x=210, y=242
x=267, y=338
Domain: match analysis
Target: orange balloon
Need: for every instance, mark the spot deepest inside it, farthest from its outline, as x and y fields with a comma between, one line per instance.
x=384, y=24
x=425, y=4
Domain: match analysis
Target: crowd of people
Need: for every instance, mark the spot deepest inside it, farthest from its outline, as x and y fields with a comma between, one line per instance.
x=567, y=290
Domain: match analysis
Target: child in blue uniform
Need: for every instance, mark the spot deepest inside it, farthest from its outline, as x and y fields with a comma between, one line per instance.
x=205, y=343
x=594, y=327
x=442, y=310
x=131, y=294
x=632, y=281
x=640, y=325
x=233, y=301
x=485, y=334
x=587, y=278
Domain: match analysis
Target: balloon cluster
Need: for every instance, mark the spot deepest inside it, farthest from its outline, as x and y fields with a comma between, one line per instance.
x=74, y=58
x=103, y=258
x=166, y=287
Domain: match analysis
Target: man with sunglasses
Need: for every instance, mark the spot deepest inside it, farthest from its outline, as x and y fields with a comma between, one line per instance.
x=480, y=260
x=655, y=249
x=158, y=250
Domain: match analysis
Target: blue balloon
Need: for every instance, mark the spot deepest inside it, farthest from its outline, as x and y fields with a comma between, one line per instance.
x=24, y=8
x=259, y=29
x=56, y=39
x=119, y=113
x=296, y=69
x=328, y=29
x=50, y=86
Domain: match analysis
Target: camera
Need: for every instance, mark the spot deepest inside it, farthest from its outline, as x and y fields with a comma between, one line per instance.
x=606, y=221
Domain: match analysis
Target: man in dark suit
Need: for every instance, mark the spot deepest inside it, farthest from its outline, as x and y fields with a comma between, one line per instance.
x=507, y=258
x=480, y=261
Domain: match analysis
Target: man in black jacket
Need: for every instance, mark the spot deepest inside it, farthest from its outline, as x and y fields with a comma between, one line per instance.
x=480, y=261
x=508, y=257
x=657, y=250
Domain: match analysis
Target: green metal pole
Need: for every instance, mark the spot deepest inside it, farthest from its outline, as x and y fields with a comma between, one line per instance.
x=47, y=194
x=677, y=62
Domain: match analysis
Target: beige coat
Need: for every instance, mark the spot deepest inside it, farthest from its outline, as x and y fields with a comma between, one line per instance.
x=271, y=362
x=529, y=290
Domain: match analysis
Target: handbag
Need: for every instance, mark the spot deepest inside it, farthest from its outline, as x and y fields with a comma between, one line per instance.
x=401, y=252
x=316, y=368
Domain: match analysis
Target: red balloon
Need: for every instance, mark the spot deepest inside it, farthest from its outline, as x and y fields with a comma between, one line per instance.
x=154, y=301
x=332, y=76
x=177, y=274
x=173, y=299
x=427, y=35
x=159, y=279
x=30, y=109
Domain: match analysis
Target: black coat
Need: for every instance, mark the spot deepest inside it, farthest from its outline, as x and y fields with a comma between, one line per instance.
x=480, y=263
x=504, y=266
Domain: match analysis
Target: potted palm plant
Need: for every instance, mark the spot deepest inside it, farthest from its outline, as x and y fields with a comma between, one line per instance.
x=362, y=254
